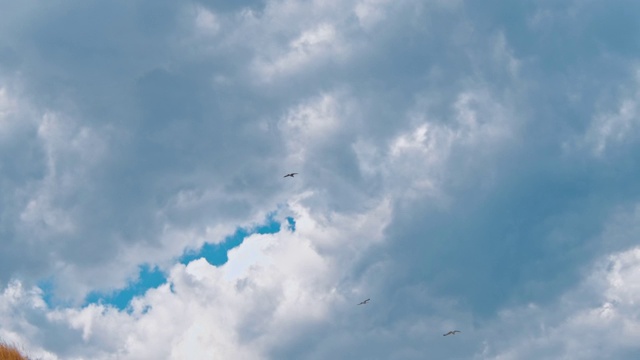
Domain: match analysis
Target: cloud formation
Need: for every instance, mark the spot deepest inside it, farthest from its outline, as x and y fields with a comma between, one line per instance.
x=464, y=165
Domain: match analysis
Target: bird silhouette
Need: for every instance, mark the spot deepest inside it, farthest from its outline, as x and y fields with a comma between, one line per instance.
x=291, y=174
x=452, y=332
x=364, y=302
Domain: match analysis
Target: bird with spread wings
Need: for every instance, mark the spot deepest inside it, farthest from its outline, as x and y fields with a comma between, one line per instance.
x=364, y=302
x=291, y=175
x=452, y=332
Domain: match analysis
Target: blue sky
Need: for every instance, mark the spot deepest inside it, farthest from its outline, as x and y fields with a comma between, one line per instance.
x=465, y=165
x=152, y=277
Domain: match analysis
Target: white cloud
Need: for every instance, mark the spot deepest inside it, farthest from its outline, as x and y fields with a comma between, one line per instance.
x=206, y=21
x=599, y=319
x=314, y=122
x=419, y=160
x=206, y=311
x=504, y=56
x=16, y=304
x=16, y=115
x=315, y=45
x=370, y=12
x=273, y=286
x=427, y=147
x=613, y=128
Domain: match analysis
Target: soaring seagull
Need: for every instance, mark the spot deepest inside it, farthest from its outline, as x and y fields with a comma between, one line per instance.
x=364, y=302
x=452, y=332
x=292, y=174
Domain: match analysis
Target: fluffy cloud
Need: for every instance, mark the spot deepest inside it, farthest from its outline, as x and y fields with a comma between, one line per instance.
x=598, y=319
x=278, y=289
x=458, y=162
x=614, y=128
x=273, y=288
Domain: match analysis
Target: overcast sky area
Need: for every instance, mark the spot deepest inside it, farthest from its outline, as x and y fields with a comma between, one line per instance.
x=467, y=165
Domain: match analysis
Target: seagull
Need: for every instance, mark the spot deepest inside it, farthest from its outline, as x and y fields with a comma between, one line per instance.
x=452, y=332
x=364, y=302
x=292, y=174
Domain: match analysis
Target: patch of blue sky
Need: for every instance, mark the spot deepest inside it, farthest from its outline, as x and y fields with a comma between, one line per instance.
x=291, y=223
x=47, y=291
x=216, y=254
x=149, y=278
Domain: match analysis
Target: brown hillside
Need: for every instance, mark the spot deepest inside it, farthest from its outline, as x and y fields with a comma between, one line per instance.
x=8, y=352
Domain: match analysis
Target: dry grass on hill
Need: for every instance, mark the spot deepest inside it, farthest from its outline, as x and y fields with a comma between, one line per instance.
x=8, y=352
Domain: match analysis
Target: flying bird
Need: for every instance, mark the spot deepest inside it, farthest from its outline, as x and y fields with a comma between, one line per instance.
x=452, y=332
x=364, y=302
x=292, y=174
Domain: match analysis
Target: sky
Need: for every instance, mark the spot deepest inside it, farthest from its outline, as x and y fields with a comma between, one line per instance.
x=466, y=165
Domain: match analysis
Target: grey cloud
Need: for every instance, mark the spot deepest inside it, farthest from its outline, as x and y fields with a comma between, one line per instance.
x=458, y=115
x=102, y=69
